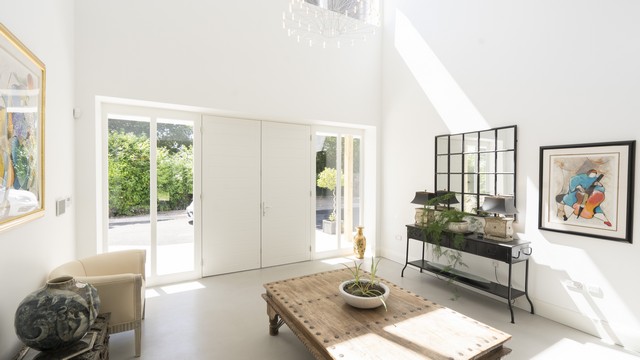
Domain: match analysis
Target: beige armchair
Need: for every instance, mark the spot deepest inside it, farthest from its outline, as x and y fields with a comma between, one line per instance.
x=119, y=278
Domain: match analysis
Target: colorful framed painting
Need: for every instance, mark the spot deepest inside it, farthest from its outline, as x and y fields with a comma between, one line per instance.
x=22, y=95
x=587, y=189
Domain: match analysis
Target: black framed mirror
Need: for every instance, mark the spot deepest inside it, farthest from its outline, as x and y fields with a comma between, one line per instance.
x=477, y=164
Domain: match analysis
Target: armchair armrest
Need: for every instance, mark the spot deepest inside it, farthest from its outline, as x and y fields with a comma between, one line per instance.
x=122, y=295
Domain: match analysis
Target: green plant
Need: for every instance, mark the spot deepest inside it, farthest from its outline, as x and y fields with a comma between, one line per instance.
x=365, y=286
x=437, y=231
x=129, y=171
x=327, y=180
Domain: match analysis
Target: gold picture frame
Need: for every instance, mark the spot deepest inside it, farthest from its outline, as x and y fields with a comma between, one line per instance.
x=22, y=104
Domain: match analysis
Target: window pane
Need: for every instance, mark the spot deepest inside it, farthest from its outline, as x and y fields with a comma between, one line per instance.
x=175, y=232
x=350, y=207
x=326, y=176
x=129, y=184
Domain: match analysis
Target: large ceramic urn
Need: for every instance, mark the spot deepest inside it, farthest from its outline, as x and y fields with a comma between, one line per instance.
x=57, y=315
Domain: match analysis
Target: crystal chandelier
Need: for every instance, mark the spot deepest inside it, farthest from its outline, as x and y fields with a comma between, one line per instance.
x=331, y=22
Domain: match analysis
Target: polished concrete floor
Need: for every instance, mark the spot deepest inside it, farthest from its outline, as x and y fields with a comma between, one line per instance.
x=224, y=317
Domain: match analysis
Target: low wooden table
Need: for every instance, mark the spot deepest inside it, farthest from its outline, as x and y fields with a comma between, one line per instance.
x=412, y=328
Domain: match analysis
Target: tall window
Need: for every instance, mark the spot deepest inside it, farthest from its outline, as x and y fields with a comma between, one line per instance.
x=150, y=189
x=338, y=190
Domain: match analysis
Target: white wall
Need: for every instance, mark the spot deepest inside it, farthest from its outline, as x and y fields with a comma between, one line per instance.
x=228, y=55
x=565, y=73
x=28, y=252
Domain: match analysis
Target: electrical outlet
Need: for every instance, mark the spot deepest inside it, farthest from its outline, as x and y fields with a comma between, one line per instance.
x=575, y=285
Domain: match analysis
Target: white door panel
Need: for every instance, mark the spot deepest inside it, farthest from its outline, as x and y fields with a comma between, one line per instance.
x=231, y=195
x=286, y=193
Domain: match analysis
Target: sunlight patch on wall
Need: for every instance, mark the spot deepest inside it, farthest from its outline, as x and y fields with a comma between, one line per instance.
x=451, y=103
x=589, y=290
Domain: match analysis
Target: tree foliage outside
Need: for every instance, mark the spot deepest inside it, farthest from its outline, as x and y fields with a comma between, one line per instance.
x=129, y=174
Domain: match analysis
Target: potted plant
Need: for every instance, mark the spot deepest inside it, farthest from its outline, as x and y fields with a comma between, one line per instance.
x=364, y=291
x=327, y=180
x=447, y=228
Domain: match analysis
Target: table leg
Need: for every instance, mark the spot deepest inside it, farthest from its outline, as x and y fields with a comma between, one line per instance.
x=275, y=321
x=526, y=284
x=509, y=295
x=406, y=259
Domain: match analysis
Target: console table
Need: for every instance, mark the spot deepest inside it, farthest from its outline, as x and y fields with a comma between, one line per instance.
x=511, y=252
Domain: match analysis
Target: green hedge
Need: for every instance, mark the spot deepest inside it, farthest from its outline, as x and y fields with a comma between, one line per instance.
x=129, y=175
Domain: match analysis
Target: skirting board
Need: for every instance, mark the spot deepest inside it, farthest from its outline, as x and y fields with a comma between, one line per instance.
x=620, y=334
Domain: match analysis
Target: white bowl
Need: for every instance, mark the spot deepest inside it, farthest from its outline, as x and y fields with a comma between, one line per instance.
x=363, y=302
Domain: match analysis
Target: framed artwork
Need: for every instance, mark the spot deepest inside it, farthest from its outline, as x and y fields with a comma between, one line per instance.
x=587, y=189
x=22, y=90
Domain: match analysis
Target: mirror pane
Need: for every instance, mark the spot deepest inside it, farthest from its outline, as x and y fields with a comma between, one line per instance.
x=505, y=184
x=442, y=182
x=456, y=144
x=506, y=162
x=487, y=140
x=487, y=163
x=470, y=183
x=455, y=183
x=471, y=142
x=487, y=184
x=506, y=139
x=456, y=163
x=470, y=203
x=471, y=163
x=442, y=166
x=442, y=145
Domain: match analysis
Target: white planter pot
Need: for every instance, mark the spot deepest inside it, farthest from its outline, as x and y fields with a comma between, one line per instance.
x=458, y=227
x=363, y=302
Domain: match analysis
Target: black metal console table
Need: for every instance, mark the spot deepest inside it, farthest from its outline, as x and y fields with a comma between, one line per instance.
x=511, y=252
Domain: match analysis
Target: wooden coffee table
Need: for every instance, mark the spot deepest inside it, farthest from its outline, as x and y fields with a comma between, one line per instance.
x=412, y=328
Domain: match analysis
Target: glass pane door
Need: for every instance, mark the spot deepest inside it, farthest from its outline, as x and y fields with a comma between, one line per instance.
x=338, y=189
x=151, y=191
x=174, y=203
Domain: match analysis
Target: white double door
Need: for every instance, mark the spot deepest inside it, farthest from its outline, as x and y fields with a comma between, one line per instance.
x=256, y=194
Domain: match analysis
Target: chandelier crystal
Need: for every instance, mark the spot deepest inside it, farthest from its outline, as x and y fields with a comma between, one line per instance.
x=331, y=22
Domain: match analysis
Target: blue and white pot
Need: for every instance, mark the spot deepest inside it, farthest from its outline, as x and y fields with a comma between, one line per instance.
x=57, y=315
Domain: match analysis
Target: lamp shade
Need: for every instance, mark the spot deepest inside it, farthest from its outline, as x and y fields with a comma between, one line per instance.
x=423, y=197
x=499, y=205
